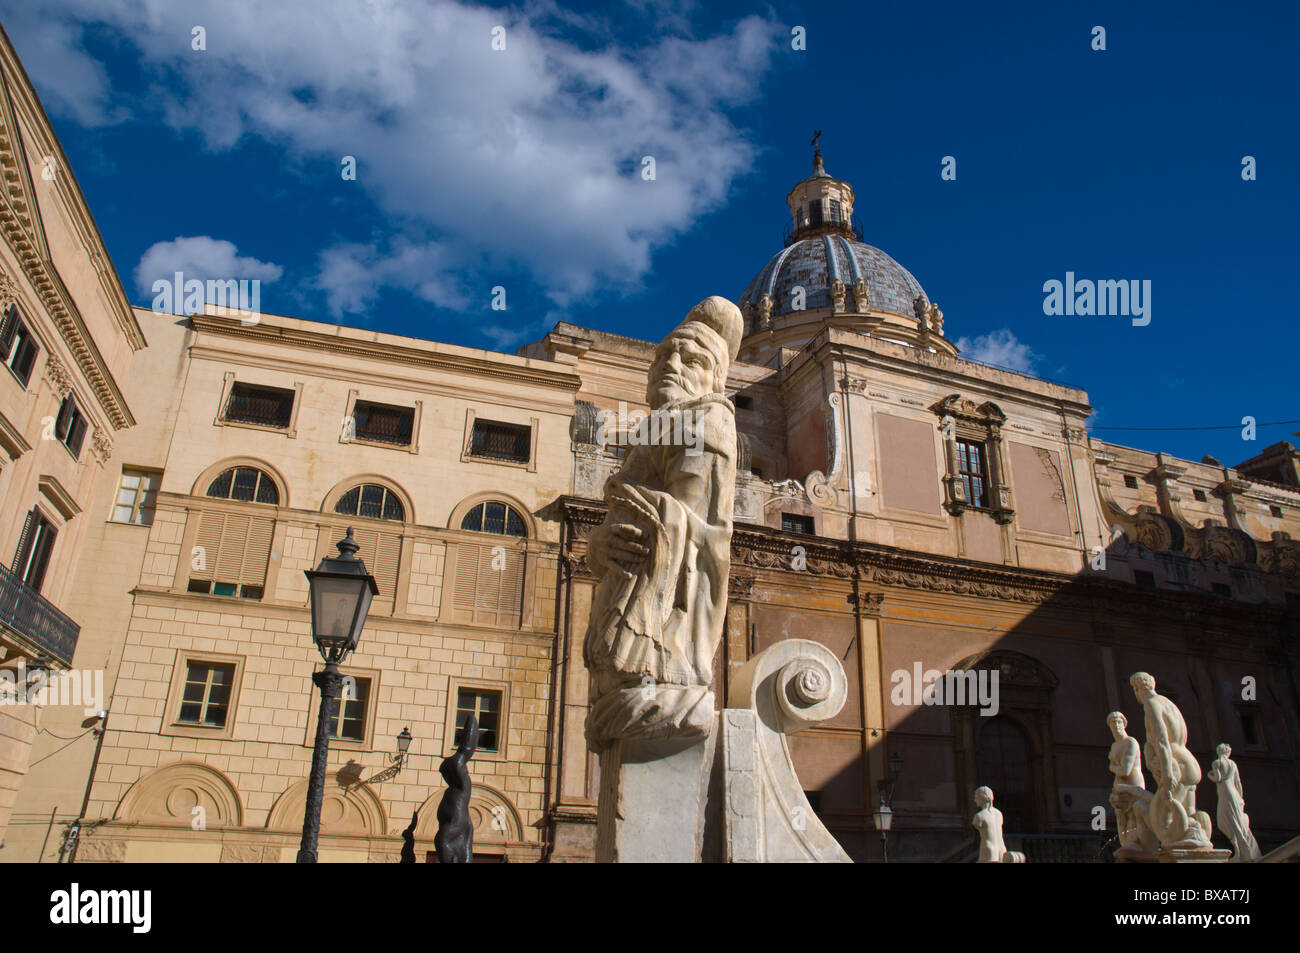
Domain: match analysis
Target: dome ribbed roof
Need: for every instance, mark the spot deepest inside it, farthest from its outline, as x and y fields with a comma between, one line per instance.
x=815, y=262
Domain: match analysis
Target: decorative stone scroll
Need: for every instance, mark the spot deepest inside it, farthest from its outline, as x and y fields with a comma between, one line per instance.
x=792, y=685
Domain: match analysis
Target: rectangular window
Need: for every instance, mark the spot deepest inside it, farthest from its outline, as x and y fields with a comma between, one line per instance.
x=1249, y=727
x=70, y=426
x=206, y=697
x=18, y=349
x=1275, y=511
x=264, y=406
x=815, y=213
x=836, y=213
x=743, y=402
x=34, y=548
x=972, y=470
x=1144, y=580
x=498, y=441
x=795, y=523
x=349, y=719
x=1131, y=482
x=484, y=705
x=136, y=495
x=1198, y=496
x=383, y=423
x=234, y=590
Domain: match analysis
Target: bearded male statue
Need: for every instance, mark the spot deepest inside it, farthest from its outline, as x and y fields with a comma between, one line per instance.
x=663, y=553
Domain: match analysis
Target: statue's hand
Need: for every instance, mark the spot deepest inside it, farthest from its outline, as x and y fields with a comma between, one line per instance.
x=625, y=544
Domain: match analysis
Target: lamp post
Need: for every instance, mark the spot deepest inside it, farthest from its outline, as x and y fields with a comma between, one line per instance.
x=884, y=814
x=340, y=594
x=403, y=746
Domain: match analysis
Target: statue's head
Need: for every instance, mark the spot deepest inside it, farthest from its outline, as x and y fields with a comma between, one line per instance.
x=1144, y=686
x=1223, y=750
x=694, y=359
x=983, y=797
x=1117, y=722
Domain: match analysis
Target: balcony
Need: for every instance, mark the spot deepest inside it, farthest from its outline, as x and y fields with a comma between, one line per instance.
x=40, y=627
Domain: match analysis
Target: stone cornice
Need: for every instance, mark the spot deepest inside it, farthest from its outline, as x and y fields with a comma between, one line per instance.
x=21, y=226
x=386, y=352
x=761, y=548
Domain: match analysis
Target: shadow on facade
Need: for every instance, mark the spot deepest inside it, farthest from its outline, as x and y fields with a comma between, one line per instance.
x=1062, y=649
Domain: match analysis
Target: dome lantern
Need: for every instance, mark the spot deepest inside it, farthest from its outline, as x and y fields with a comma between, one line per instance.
x=820, y=204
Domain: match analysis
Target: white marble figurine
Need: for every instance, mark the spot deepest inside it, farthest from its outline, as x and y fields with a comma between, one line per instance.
x=988, y=821
x=1233, y=820
x=1172, y=811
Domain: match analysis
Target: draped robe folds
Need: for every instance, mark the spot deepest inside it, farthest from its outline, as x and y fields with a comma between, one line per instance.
x=1234, y=823
x=653, y=634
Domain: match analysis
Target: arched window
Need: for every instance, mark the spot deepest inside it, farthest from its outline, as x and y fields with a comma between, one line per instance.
x=495, y=517
x=246, y=484
x=371, y=501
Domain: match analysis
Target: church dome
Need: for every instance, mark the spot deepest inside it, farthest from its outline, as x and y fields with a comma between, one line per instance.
x=826, y=277
x=813, y=263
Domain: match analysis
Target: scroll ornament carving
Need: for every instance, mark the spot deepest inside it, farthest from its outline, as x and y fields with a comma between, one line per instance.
x=102, y=445
x=8, y=290
x=57, y=376
x=819, y=486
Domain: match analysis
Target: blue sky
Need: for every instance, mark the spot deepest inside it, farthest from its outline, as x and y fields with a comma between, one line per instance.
x=519, y=168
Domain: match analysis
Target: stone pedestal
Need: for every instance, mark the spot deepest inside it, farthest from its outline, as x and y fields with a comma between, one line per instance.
x=653, y=802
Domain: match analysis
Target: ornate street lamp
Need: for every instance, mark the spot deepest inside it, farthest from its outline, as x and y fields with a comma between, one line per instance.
x=884, y=814
x=340, y=593
x=884, y=818
x=403, y=746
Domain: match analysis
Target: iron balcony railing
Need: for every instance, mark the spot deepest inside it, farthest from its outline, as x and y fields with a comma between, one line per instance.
x=35, y=619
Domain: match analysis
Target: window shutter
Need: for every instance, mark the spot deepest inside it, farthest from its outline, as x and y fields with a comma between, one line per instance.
x=64, y=418
x=230, y=559
x=466, y=580
x=23, y=553
x=257, y=551
x=211, y=527
x=487, y=595
x=381, y=553
x=8, y=329
x=510, y=598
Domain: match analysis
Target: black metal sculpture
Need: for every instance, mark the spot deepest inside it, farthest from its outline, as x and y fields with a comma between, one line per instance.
x=408, y=840
x=454, y=841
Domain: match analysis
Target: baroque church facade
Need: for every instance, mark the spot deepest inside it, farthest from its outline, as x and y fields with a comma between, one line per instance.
x=911, y=510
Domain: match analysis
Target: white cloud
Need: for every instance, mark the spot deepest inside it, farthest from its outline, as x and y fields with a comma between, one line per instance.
x=999, y=347
x=528, y=157
x=198, y=257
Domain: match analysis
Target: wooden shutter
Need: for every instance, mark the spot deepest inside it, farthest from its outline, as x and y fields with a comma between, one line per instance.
x=8, y=328
x=381, y=552
x=23, y=552
x=236, y=548
x=487, y=595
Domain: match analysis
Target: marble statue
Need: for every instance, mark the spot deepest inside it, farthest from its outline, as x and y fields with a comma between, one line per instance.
x=1128, y=795
x=988, y=821
x=408, y=839
x=663, y=553
x=1233, y=821
x=1172, y=812
x=454, y=841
